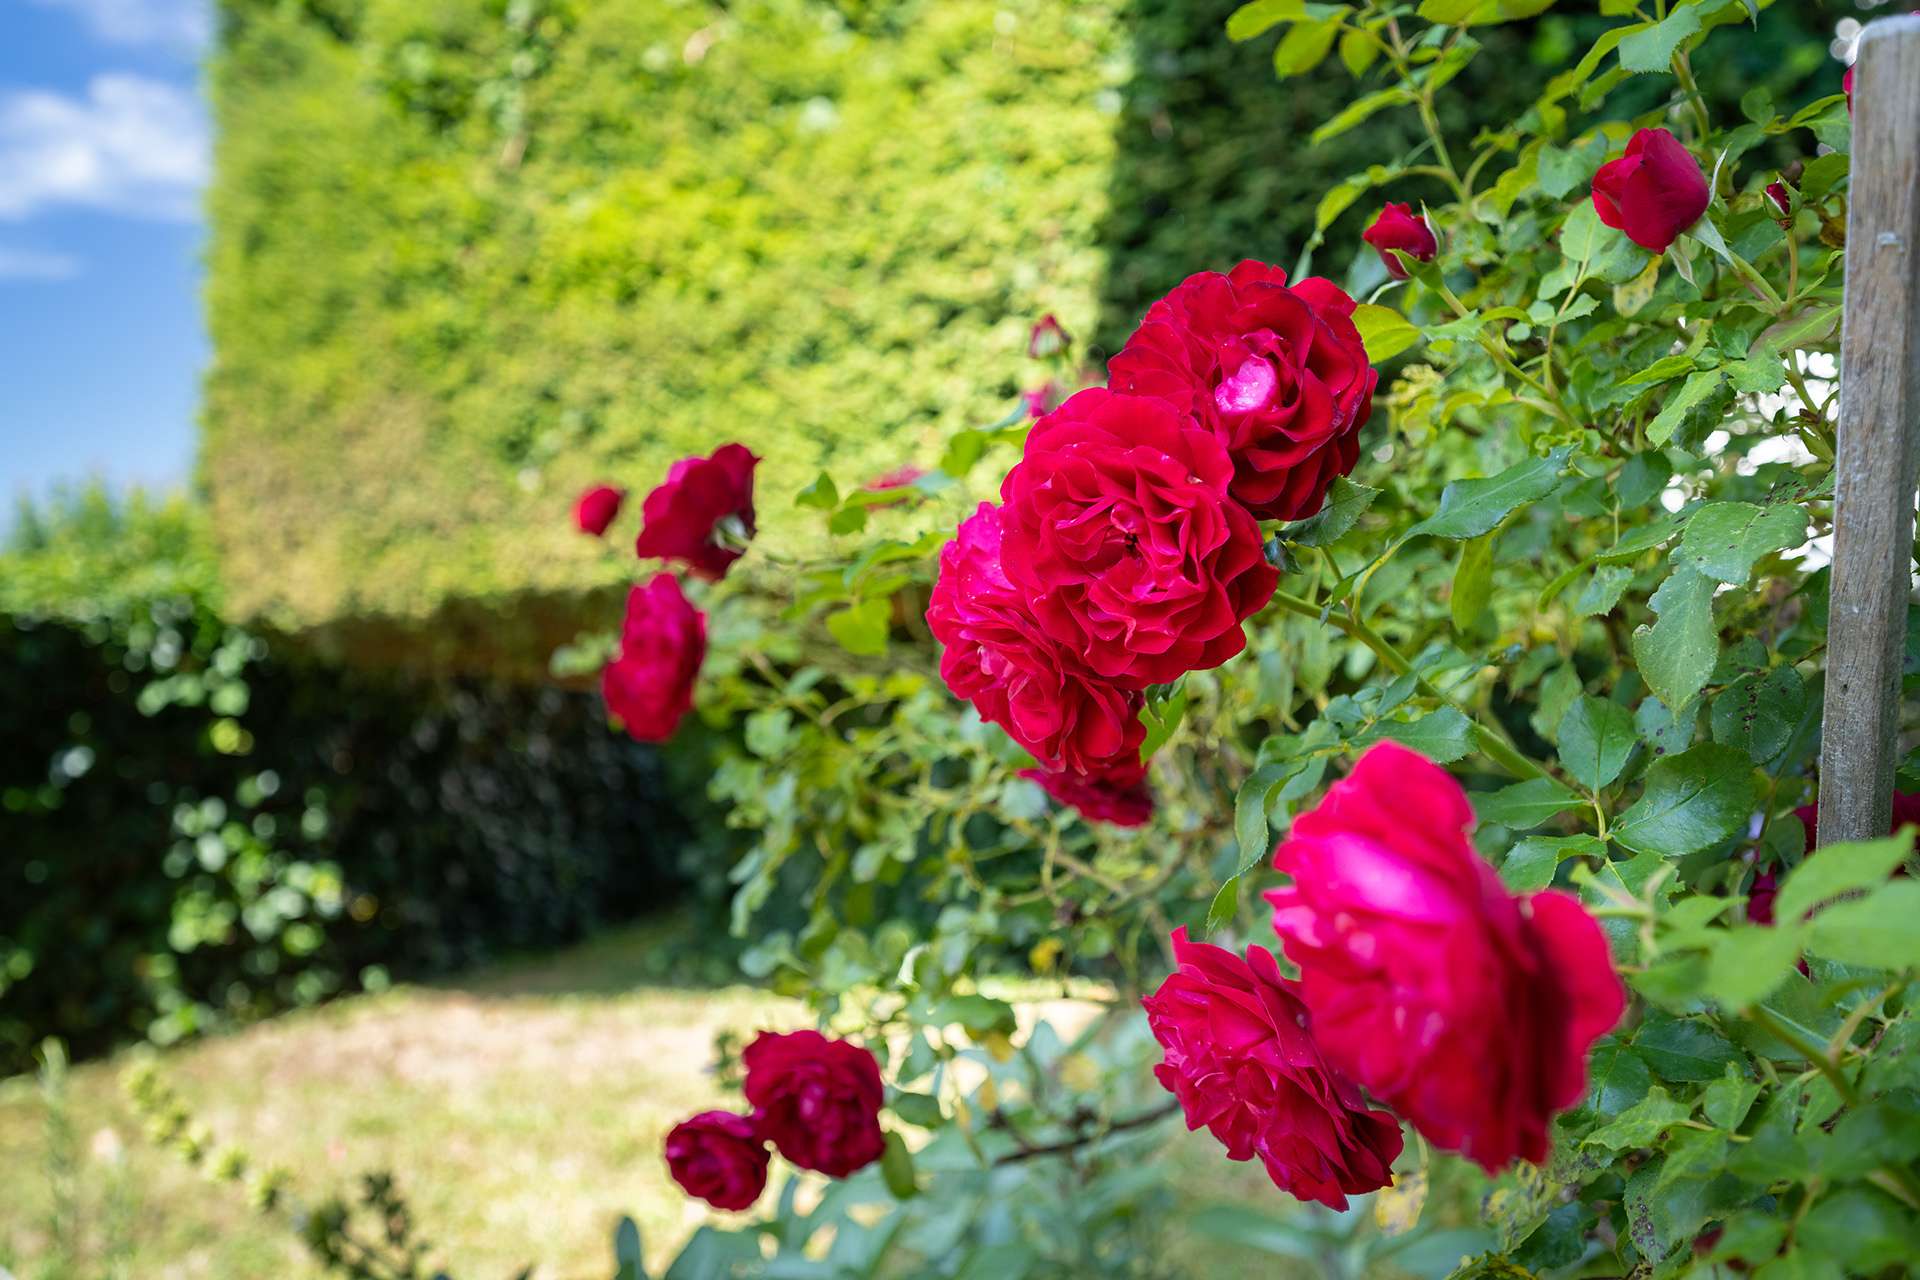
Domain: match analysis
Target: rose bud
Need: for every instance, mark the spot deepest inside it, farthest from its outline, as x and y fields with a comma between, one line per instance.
x=1047, y=339
x=994, y=655
x=702, y=514
x=1653, y=192
x=597, y=508
x=1398, y=227
x=718, y=1157
x=1119, y=798
x=1777, y=192
x=1241, y=1058
x=1041, y=401
x=817, y=1100
x=1276, y=372
x=648, y=686
x=1465, y=1009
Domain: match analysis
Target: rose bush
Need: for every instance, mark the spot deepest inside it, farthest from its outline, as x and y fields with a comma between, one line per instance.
x=1453, y=622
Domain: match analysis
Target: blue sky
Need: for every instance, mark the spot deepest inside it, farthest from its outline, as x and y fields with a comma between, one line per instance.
x=103, y=152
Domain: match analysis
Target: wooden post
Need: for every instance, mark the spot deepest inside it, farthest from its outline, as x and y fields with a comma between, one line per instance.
x=1879, y=416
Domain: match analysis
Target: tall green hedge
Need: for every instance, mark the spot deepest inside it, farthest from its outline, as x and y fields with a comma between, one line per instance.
x=468, y=256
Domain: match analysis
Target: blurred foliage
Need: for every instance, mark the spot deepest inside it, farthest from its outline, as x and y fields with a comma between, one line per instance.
x=469, y=256
x=198, y=822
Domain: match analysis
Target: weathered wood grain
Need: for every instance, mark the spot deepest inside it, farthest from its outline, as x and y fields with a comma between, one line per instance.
x=1879, y=417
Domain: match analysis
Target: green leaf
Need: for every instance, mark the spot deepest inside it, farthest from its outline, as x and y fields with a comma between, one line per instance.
x=1617, y=1077
x=1475, y=13
x=1304, y=47
x=1473, y=586
x=1442, y=737
x=1596, y=738
x=1863, y=1228
x=1692, y=801
x=1685, y=1050
x=1653, y=49
x=1346, y=503
x=922, y=1109
x=1602, y=591
x=1641, y=1123
x=1384, y=332
x=1695, y=392
x=862, y=628
x=1524, y=804
x=822, y=493
x=1261, y=16
x=1250, y=811
x=1759, y=712
x=896, y=1168
x=1162, y=715
x=626, y=1251
x=1728, y=1099
x=1749, y=963
x=1355, y=113
x=1878, y=931
x=980, y=1015
x=1469, y=508
x=1724, y=539
x=1226, y=900
x=1530, y=865
x=1850, y=867
x=1676, y=655
x=1357, y=52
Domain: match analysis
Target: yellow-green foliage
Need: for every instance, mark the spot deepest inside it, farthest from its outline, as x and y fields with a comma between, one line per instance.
x=477, y=256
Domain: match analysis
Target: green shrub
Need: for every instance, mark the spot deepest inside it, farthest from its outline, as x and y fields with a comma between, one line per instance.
x=199, y=822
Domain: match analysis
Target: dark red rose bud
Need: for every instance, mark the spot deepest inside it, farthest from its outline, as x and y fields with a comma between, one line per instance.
x=1846, y=87
x=817, y=1100
x=1047, y=339
x=718, y=1157
x=1653, y=192
x=663, y=640
x=702, y=514
x=1777, y=192
x=1242, y=1060
x=1042, y=400
x=1276, y=372
x=1119, y=798
x=597, y=508
x=1398, y=227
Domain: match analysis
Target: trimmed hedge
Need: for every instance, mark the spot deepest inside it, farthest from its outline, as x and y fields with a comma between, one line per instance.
x=200, y=824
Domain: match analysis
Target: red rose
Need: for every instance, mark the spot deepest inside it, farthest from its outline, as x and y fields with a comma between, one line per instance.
x=1120, y=797
x=718, y=1157
x=649, y=684
x=1777, y=192
x=1121, y=534
x=1047, y=338
x=1277, y=373
x=817, y=1100
x=1766, y=885
x=702, y=515
x=1242, y=1062
x=1016, y=676
x=1042, y=400
x=597, y=508
x=1398, y=227
x=1653, y=192
x=1846, y=87
x=1467, y=1010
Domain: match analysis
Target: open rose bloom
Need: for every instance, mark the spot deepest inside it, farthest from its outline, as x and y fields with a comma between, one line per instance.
x=702, y=514
x=1465, y=1009
x=816, y=1100
x=1276, y=372
x=663, y=640
x=1242, y=1062
x=719, y=1157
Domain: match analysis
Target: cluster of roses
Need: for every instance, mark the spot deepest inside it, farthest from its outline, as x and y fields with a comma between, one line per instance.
x=1465, y=1009
x=817, y=1101
x=1126, y=548
x=701, y=515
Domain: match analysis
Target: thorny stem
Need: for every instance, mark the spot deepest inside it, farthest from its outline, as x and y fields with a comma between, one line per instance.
x=1140, y=1121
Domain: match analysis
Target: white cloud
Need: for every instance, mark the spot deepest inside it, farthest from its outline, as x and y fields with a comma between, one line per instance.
x=132, y=145
x=31, y=264
x=185, y=23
